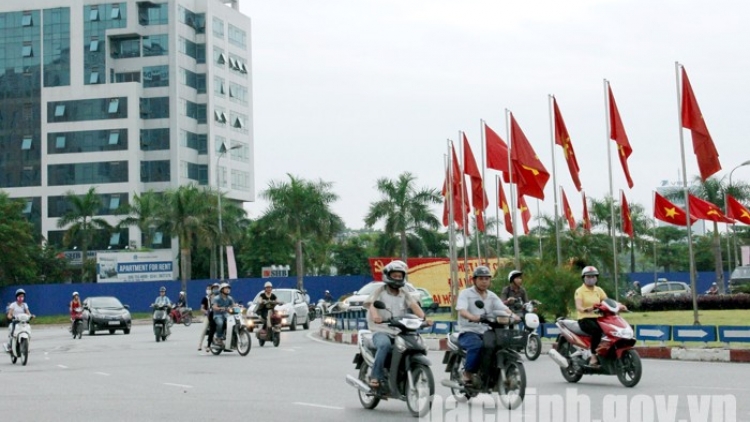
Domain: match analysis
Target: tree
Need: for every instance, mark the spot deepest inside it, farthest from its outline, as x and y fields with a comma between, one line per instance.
x=82, y=223
x=144, y=212
x=350, y=257
x=404, y=209
x=263, y=246
x=301, y=211
x=17, y=247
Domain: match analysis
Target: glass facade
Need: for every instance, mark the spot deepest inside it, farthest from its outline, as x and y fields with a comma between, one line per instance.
x=58, y=206
x=195, y=111
x=155, y=76
x=196, y=81
x=57, y=47
x=156, y=45
x=196, y=141
x=82, y=110
x=97, y=19
x=194, y=50
x=198, y=172
x=154, y=108
x=87, y=173
x=236, y=36
x=197, y=21
x=155, y=171
x=154, y=139
x=87, y=141
x=150, y=13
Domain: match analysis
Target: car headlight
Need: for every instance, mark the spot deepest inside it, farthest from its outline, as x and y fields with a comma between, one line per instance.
x=250, y=323
x=282, y=312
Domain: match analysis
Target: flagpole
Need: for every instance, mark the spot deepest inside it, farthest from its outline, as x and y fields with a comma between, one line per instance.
x=613, y=233
x=539, y=228
x=452, y=235
x=554, y=178
x=656, y=267
x=513, y=216
x=484, y=168
x=497, y=220
x=696, y=321
x=465, y=218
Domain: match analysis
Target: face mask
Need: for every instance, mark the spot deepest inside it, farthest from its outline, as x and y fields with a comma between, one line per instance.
x=589, y=281
x=19, y=299
x=214, y=291
x=208, y=292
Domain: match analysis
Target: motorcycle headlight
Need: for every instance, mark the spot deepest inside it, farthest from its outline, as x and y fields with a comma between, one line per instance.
x=400, y=344
x=623, y=333
x=250, y=323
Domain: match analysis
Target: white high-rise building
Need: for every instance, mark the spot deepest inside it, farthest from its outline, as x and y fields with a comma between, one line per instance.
x=125, y=96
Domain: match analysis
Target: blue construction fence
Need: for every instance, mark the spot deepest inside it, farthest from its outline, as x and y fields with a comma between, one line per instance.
x=702, y=282
x=53, y=299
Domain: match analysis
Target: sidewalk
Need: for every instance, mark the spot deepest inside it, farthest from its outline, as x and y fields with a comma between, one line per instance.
x=650, y=352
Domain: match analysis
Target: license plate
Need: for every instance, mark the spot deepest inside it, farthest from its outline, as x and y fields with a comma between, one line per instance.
x=114, y=323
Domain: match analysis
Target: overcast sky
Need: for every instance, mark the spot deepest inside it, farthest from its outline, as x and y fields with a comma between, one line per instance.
x=349, y=91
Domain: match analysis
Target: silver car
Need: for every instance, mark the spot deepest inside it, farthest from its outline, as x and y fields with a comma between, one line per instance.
x=293, y=309
x=355, y=301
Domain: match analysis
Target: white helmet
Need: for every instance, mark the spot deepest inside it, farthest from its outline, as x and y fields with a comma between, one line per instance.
x=589, y=270
x=513, y=274
x=395, y=266
x=268, y=284
x=74, y=294
x=223, y=285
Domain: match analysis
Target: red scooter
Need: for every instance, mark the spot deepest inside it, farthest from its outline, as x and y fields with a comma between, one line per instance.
x=615, y=352
x=183, y=315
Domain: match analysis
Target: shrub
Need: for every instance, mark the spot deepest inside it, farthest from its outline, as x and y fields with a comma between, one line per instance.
x=685, y=303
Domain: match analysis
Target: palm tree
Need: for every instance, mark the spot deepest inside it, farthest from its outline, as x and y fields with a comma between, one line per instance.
x=144, y=212
x=184, y=216
x=82, y=223
x=714, y=190
x=403, y=208
x=301, y=211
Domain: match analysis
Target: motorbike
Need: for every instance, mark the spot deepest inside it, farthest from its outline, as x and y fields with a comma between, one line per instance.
x=322, y=308
x=237, y=334
x=533, y=347
x=408, y=376
x=77, y=328
x=183, y=315
x=271, y=328
x=312, y=311
x=615, y=352
x=21, y=339
x=506, y=375
x=161, y=320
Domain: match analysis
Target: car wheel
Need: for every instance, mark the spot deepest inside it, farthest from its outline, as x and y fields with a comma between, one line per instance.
x=111, y=331
x=126, y=331
x=293, y=325
x=92, y=331
x=306, y=325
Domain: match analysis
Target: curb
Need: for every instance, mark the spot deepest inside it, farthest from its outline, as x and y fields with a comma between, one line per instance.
x=656, y=352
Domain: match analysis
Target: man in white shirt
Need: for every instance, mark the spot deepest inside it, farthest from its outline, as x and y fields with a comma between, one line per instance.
x=14, y=309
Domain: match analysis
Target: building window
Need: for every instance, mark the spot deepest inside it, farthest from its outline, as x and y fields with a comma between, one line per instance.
x=27, y=208
x=59, y=110
x=26, y=51
x=115, y=239
x=115, y=14
x=238, y=123
x=94, y=78
x=218, y=27
x=155, y=76
x=60, y=142
x=158, y=237
x=114, y=202
x=114, y=106
x=26, y=143
x=26, y=20
x=222, y=59
x=94, y=15
x=114, y=138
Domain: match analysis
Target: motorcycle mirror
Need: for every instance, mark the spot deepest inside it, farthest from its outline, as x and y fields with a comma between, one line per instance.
x=126, y=306
x=378, y=305
x=479, y=304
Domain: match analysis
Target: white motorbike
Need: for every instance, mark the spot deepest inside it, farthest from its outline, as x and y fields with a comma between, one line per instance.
x=237, y=334
x=19, y=342
x=530, y=323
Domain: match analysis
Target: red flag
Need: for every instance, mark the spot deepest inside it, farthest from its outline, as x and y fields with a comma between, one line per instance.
x=497, y=150
x=670, y=213
x=737, y=211
x=704, y=210
x=502, y=203
x=525, y=214
x=562, y=138
x=586, y=220
x=567, y=211
x=617, y=133
x=692, y=118
x=627, y=222
x=529, y=173
x=478, y=195
x=460, y=214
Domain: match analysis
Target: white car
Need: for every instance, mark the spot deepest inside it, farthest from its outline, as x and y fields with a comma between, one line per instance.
x=355, y=301
x=293, y=309
x=666, y=288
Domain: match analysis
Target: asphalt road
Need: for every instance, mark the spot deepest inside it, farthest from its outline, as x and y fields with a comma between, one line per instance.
x=131, y=377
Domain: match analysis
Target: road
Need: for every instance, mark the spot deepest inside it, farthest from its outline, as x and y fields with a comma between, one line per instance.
x=131, y=377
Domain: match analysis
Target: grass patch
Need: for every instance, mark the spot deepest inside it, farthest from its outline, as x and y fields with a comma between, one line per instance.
x=65, y=319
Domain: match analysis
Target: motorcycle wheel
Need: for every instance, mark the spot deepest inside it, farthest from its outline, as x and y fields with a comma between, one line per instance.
x=276, y=338
x=456, y=376
x=23, y=347
x=261, y=341
x=216, y=350
x=512, y=387
x=187, y=320
x=420, y=388
x=157, y=333
x=572, y=373
x=243, y=342
x=629, y=368
x=368, y=401
x=13, y=357
x=533, y=347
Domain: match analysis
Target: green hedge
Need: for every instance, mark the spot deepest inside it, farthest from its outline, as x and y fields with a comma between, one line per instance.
x=683, y=303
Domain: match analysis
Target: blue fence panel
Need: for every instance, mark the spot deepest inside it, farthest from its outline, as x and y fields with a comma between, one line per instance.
x=361, y=324
x=550, y=330
x=653, y=332
x=734, y=333
x=693, y=333
x=442, y=327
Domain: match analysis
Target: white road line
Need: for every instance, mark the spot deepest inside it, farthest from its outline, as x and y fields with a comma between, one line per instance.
x=312, y=337
x=62, y=366
x=322, y=406
x=178, y=385
x=102, y=373
x=288, y=350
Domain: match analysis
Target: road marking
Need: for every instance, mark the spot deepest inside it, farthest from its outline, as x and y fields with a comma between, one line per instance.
x=178, y=385
x=312, y=337
x=62, y=366
x=288, y=350
x=102, y=373
x=322, y=406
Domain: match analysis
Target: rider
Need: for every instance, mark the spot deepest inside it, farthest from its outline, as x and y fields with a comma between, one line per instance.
x=397, y=300
x=179, y=306
x=473, y=336
x=162, y=299
x=75, y=303
x=513, y=295
x=208, y=313
x=586, y=296
x=265, y=299
x=714, y=290
x=14, y=309
x=327, y=297
x=221, y=304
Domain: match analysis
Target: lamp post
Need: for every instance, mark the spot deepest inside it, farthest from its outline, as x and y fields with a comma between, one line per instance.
x=734, y=234
x=222, y=151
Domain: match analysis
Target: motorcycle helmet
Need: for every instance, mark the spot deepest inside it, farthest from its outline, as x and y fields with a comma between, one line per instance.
x=20, y=292
x=481, y=271
x=162, y=289
x=589, y=270
x=223, y=286
x=513, y=274
x=74, y=294
x=395, y=266
x=268, y=284
x=182, y=293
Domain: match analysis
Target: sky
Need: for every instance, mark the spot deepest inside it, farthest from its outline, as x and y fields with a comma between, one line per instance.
x=349, y=92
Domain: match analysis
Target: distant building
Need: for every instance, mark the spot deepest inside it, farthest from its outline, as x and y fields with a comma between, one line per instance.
x=127, y=96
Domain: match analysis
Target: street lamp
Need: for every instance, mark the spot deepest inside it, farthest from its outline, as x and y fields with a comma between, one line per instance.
x=734, y=234
x=222, y=151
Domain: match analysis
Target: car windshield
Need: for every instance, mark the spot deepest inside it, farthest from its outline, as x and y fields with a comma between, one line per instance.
x=284, y=296
x=368, y=288
x=105, y=302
